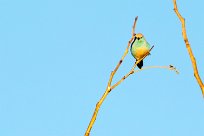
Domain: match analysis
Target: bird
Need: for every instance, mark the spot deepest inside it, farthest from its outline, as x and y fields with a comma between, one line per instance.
x=139, y=48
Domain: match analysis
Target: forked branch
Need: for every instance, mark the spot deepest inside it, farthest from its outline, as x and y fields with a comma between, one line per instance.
x=108, y=88
x=111, y=87
x=131, y=71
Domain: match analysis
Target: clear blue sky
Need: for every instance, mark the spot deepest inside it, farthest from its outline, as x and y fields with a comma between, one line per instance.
x=56, y=57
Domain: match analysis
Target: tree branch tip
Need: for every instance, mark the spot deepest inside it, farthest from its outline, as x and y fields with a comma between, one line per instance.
x=134, y=25
x=136, y=18
x=171, y=67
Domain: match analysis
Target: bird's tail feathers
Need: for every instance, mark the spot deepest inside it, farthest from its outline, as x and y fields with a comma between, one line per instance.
x=139, y=65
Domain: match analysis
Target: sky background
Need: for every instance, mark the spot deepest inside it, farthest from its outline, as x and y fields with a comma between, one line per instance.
x=56, y=57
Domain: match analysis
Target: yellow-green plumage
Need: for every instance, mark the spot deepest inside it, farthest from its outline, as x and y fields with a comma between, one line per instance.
x=139, y=48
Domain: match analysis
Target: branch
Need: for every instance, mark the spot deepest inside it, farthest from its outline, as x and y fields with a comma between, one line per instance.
x=125, y=53
x=190, y=52
x=170, y=67
x=132, y=70
x=134, y=26
x=108, y=89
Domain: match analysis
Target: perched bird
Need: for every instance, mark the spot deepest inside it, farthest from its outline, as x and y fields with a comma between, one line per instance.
x=139, y=48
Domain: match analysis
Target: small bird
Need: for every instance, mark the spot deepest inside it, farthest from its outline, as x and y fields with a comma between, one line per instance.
x=139, y=48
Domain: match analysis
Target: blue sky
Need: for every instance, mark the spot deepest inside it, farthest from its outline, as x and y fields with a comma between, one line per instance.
x=56, y=57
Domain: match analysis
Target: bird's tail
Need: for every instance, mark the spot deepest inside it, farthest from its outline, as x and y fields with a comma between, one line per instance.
x=140, y=64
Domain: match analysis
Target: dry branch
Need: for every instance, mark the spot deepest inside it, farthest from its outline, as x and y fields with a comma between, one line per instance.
x=111, y=87
x=131, y=71
x=108, y=88
x=188, y=47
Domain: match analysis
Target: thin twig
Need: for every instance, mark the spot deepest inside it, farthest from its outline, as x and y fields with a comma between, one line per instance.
x=170, y=67
x=132, y=71
x=123, y=78
x=193, y=60
x=134, y=26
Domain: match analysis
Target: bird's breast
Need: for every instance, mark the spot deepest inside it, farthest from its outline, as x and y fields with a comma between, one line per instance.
x=140, y=52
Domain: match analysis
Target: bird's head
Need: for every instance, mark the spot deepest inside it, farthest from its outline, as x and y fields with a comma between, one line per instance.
x=139, y=36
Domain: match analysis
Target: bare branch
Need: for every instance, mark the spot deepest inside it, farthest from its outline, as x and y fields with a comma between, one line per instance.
x=170, y=67
x=108, y=89
x=188, y=47
x=134, y=26
x=132, y=70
